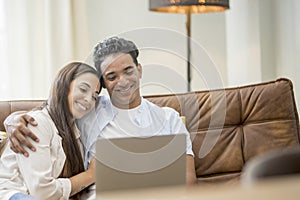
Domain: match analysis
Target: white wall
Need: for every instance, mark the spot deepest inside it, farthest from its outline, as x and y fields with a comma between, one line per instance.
x=164, y=49
x=37, y=38
x=243, y=43
x=263, y=42
x=254, y=41
x=267, y=39
x=287, y=41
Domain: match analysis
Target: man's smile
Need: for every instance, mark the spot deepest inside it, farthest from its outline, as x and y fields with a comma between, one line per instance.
x=125, y=90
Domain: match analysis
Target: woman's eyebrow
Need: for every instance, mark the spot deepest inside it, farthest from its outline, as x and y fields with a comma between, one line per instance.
x=85, y=83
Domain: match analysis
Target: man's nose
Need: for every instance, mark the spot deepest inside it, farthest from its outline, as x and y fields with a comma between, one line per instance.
x=123, y=81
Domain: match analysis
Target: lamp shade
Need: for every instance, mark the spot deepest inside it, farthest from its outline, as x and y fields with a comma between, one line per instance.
x=188, y=6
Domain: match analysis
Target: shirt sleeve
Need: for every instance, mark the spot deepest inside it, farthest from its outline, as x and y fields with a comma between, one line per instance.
x=39, y=168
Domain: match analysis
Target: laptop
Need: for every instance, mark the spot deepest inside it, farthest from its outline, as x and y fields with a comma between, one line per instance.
x=131, y=163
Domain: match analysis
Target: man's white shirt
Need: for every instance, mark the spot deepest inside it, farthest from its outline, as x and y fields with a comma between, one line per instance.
x=147, y=119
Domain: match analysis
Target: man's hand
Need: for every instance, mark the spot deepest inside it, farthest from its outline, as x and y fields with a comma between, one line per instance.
x=17, y=130
x=191, y=178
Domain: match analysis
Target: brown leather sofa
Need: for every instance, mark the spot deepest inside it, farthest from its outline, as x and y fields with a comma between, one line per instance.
x=228, y=126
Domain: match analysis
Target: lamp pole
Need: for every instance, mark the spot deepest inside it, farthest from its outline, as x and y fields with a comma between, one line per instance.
x=188, y=31
x=185, y=6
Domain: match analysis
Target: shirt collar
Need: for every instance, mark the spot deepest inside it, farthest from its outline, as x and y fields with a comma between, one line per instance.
x=105, y=113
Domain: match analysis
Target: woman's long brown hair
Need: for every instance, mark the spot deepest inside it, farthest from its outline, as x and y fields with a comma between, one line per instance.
x=62, y=117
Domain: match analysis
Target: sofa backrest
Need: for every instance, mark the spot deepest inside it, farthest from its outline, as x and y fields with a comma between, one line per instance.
x=8, y=107
x=228, y=126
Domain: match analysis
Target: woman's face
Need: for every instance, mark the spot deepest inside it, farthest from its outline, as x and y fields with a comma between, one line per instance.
x=83, y=94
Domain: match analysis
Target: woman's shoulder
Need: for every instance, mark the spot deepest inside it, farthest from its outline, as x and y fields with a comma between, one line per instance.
x=41, y=115
x=44, y=121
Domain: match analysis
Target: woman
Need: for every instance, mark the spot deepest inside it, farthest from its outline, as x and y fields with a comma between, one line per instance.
x=55, y=170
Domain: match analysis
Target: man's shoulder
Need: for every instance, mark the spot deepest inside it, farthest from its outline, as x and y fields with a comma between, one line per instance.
x=103, y=99
x=155, y=108
x=149, y=103
x=99, y=116
x=103, y=103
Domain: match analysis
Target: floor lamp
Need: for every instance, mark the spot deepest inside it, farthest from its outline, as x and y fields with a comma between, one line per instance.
x=187, y=7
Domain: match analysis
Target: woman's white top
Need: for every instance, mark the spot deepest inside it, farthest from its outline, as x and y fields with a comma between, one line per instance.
x=37, y=174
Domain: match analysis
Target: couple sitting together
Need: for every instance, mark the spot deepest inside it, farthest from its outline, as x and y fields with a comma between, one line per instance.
x=62, y=133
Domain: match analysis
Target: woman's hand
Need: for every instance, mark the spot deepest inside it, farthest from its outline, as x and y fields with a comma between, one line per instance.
x=84, y=179
x=91, y=170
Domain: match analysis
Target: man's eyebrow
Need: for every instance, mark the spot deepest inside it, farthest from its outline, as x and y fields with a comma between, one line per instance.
x=109, y=73
x=125, y=69
x=129, y=67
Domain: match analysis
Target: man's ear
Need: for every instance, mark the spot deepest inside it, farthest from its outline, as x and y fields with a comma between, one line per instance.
x=140, y=69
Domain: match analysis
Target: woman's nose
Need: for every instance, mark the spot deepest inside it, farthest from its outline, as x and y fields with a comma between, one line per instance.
x=88, y=99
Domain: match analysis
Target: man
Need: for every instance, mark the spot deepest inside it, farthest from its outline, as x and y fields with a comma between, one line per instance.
x=125, y=113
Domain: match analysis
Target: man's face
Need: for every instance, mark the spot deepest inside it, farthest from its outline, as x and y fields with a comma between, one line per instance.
x=122, y=79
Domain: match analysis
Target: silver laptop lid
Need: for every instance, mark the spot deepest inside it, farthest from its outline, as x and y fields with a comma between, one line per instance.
x=130, y=163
